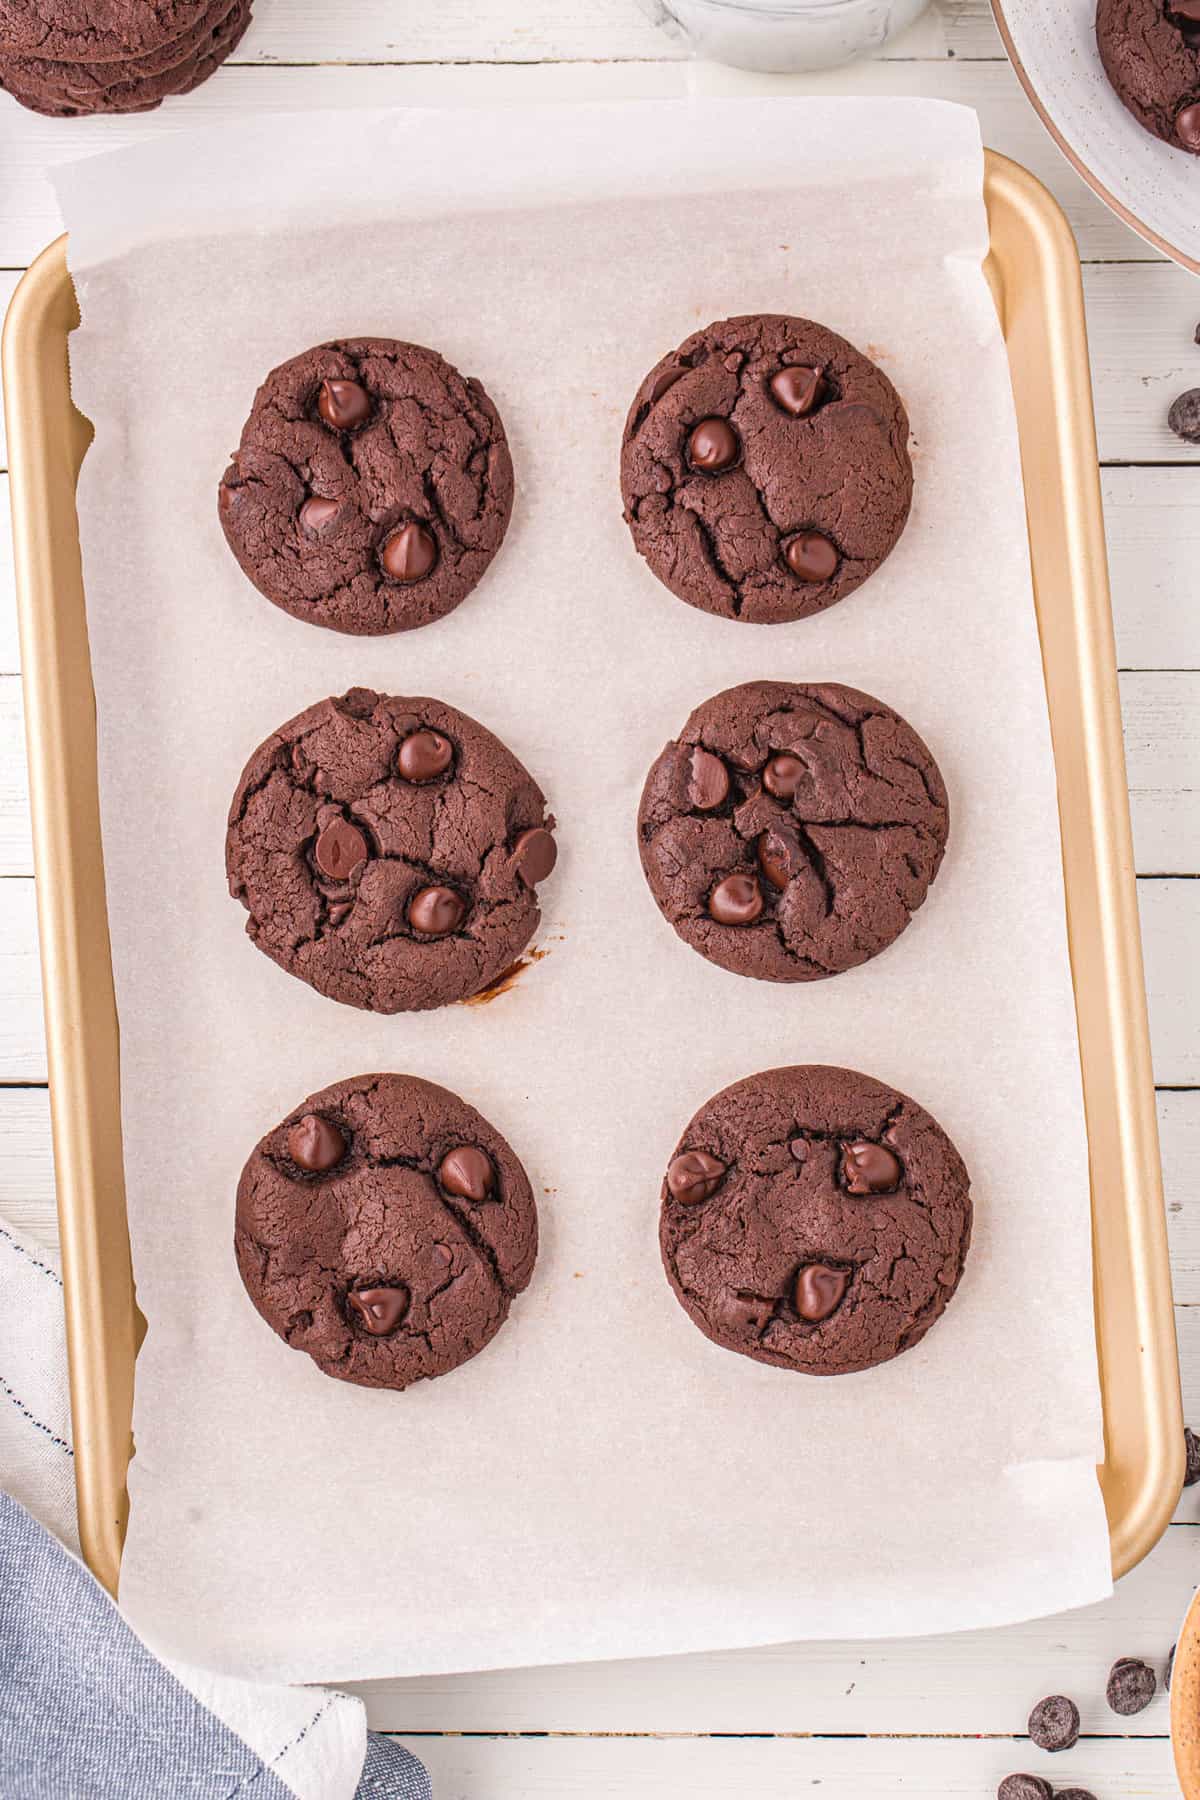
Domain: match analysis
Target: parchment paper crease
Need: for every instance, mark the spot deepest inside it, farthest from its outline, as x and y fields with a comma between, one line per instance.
x=601, y=1481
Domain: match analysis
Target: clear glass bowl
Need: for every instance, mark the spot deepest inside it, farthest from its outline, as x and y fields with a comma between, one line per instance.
x=785, y=35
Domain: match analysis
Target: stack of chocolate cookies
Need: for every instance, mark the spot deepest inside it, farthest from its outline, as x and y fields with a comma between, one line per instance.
x=67, y=58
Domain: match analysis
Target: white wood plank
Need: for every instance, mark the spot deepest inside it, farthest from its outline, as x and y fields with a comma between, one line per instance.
x=721, y=1768
x=977, y=1681
x=315, y=31
x=27, y=1165
x=1170, y=913
x=22, y=1036
x=1152, y=517
x=1142, y=330
x=1162, y=757
x=16, y=845
x=30, y=146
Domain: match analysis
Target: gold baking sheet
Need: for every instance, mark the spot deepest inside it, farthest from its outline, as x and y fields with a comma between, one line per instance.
x=1033, y=268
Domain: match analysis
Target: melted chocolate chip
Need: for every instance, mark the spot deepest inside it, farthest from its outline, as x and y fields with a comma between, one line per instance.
x=378, y=1309
x=819, y=1291
x=870, y=1169
x=693, y=1176
x=317, y=513
x=1187, y=126
x=340, y=850
x=712, y=446
x=435, y=911
x=708, y=780
x=424, y=755
x=343, y=404
x=775, y=859
x=468, y=1172
x=737, y=900
x=663, y=382
x=315, y=1144
x=535, y=854
x=410, y=553
x=798, y=390
x=783, y=775
x=811, y=557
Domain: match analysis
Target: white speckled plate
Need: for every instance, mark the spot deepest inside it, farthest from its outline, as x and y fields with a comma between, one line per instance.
x=1154, y=188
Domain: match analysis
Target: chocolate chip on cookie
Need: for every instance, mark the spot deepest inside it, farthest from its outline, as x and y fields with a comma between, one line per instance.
x=765, y=468
x=392, y=1269
x=388, y=851
x=371, y=488
x=771, y=1257
x=791, y=832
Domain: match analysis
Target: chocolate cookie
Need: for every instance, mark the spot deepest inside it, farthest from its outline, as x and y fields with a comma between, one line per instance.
x=70, y=90
x=384, y=1228
x=371, y=489
x=83, y=31
x=1151, y=54
x=388, y=851
x=765, y=468
x=815, y=1219
x=791, y=832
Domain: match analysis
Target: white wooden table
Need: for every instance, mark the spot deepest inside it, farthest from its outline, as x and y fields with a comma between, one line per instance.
x=928, y=1718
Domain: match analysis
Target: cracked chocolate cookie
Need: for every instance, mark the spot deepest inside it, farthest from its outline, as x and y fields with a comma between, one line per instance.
x=815, y=1219
x=82, y=31
x=384, y=1228
x=1151, y=54
x=136, y=84
x=371, y=489
x=765, y=469
x=388, y=851
x=791, y=832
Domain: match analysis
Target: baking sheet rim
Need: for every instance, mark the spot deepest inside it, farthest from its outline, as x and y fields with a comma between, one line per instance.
x=1142, y=1471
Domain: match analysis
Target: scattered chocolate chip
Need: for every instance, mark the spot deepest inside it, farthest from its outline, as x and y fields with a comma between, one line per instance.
x=315, y=1144
x=870, y=1169
x=775, y=859
x=708, y=780
x=1191, y=1447
x=343, y=404
x=340, y=850
x=1024, y=1787
x=819, y=1291
x=736, y=901
x=424, y=755
x=378, y=1309
x=712, y=446
x=467, y=1172
x=409, y=553
x=535, y=854
x=1187, y=126
x=1184, y=416
x=1131, y=1686
x=783, y=775
x=317, y=513
x=799, y=390
x=811, y=557
x=434, y=911
x=1054, y=1723
x=1170, y=1668
x=693, y=1176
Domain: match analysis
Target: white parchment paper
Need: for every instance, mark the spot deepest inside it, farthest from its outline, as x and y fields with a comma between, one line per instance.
x=601, y=1481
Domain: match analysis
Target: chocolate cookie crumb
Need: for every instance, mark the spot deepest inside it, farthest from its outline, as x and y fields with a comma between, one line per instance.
x=1131, y=1686
x=1054, y=1723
